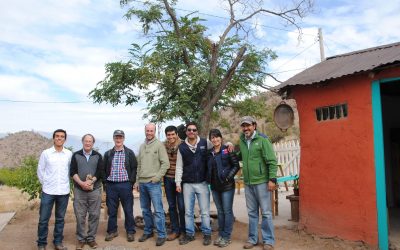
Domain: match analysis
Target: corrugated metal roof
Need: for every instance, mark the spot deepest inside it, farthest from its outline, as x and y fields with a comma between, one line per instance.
x=346, y=64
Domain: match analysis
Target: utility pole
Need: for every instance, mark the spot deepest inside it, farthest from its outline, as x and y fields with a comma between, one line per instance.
x=321, y=45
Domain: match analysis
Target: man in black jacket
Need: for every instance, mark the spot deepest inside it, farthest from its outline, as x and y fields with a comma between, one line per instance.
x=87, y=171
x=120, y=176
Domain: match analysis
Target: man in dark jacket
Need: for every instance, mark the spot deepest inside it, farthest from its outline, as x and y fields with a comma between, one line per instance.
x=87, y=171
x=120, y=176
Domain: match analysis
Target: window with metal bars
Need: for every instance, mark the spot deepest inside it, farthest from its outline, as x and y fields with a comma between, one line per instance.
x=331, y=112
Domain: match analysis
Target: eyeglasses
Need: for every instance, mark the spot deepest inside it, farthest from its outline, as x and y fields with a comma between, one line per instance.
x=192, y=130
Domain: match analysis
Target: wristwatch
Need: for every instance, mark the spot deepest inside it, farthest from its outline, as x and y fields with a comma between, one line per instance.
x=273, y=180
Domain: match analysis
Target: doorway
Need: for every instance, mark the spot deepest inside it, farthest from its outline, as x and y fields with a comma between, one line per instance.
x=390, y=98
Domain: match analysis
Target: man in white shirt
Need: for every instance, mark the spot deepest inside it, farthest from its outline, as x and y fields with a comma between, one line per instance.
x=53, y=174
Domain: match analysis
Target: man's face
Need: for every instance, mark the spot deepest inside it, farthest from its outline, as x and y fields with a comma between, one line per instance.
x=191, y=131
x=171, y=137
x=248, y=129
x=87, y=143
x=119, y=140
x=150, y=132
x=59, y=139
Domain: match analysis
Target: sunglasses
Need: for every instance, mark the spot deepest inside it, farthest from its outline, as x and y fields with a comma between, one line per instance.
x=192, y=130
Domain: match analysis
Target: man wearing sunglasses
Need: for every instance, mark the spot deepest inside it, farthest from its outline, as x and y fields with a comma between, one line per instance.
x=191, y=170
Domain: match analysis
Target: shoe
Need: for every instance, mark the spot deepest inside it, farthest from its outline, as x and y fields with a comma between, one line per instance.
x=248, y=245
x=144, y=237
x=92, y=244
x=217, y=241
x=160, y=241
x=186, y=239
x=41, y=247
x=268, y=247
x=224, y=242
x=60, y=247
x=172, y=236
x=111, y=236
x=79, y=245
x=130, y=237
x=206, y=240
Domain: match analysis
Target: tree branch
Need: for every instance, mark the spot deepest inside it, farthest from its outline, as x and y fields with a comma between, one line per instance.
x=228, y=76
x=171, y=13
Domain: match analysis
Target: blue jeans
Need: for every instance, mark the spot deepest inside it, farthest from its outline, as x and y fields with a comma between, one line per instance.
x=224, y=202
x=116, y=192
x=258, y=197
x=177, y=216
x=46, y=206
x=151, y=193
x=190, y=192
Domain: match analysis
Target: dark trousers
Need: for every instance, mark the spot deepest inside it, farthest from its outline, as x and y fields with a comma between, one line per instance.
x=176, y=206
x=47, y=202
x=120, y=192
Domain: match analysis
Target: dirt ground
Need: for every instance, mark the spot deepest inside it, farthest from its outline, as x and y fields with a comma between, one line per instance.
x=20, y=233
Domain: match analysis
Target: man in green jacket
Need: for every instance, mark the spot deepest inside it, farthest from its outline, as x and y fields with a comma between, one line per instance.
x=259, y=172
x=153, y=163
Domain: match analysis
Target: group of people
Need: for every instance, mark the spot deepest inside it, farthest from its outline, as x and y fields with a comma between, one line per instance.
x=188, y=169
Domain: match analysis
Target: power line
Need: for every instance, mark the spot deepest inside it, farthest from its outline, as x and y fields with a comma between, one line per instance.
x=45, y=102
x=297, y=55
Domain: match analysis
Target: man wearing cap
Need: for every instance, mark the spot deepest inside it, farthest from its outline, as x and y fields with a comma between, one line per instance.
x=120, y=176
x=259, y=172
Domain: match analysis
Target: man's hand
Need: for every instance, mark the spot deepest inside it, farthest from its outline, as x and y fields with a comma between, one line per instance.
x=86, y=185
x=230, y=146
x=136, y=186
x=178, y=189
x=271, y=186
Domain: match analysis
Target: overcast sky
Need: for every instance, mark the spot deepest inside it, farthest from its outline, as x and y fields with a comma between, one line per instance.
x=54, y=51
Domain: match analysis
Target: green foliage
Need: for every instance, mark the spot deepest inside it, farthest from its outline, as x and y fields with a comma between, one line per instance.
x=29, y=182
x=173, y=71
x=23, y=177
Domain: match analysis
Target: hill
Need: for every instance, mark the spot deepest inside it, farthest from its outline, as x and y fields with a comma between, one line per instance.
x=228, y=119
x=15, y=147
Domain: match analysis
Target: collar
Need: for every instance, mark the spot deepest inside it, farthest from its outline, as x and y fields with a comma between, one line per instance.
x=252, y=136
x=84, y=152
x=151, y=141
x=53, y=150
x=190, y=145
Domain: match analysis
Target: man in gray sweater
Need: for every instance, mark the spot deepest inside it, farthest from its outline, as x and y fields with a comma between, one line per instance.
x=86, y=170
x=153, y=163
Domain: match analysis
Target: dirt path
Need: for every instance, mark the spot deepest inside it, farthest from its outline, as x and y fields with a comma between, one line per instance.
x=21, y=231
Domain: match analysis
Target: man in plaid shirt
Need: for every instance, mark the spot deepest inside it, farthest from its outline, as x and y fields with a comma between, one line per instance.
x=120, y=176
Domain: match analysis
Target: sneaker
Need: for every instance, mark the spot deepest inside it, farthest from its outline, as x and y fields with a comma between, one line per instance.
x=268, y=247
x=217, y=241
x=41, y=247
x=206, y=240
x=248, y=245
x=186, y=239
x=92, y=244
x=111, y=236
x=60, y=247
x=172, y=236
x=144, y=237
x=130, y=237
x=79, y=245
x=160, y=241
x=224, y=242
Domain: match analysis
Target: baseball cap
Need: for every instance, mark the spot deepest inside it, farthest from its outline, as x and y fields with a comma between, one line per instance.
x=247, y=119
x=119, y=132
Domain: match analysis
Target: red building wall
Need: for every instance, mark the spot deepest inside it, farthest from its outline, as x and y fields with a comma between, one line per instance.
x=337, y=176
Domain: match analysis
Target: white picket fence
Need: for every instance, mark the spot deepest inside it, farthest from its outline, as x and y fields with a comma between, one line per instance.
x=288, y=155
